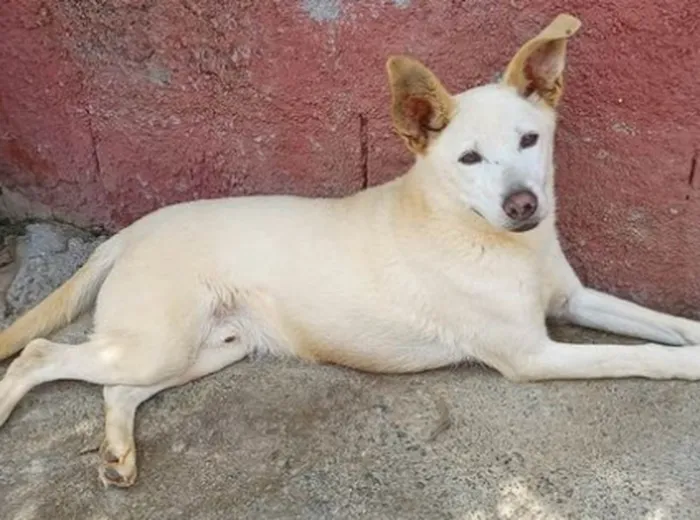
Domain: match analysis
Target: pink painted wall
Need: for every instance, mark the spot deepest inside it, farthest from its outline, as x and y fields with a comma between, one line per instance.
x=109, y=109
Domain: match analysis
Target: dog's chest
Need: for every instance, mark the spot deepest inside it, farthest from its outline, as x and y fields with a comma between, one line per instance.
x=455, y=302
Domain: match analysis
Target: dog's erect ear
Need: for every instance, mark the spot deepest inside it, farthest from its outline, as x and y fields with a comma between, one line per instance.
x=421, y=107
x=538, y=67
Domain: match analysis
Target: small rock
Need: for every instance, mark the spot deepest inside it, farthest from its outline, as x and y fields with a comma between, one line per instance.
x=48, y=254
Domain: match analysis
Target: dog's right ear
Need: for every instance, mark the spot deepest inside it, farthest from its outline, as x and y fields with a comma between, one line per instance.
x=421, y=107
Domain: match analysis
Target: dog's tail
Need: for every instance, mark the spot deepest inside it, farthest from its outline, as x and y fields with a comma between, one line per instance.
x=64, y=304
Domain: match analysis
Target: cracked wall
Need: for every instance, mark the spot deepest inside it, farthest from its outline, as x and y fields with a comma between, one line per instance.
x=112, y=108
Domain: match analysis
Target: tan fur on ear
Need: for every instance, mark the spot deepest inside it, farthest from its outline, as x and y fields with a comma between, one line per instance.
x=421, y=106
x=539, y=64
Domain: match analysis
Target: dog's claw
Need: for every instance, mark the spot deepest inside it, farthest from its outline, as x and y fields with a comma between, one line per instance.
x=110, y=476
x=117, y=471
x=113, y=476
x=109, y=457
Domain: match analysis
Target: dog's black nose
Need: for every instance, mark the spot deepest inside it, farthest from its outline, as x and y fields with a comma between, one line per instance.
x=520, y=205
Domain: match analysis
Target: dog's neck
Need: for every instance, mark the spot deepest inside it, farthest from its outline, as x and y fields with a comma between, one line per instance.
x=429, y=205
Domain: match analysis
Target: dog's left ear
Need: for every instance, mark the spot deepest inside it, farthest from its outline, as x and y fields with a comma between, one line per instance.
x=421, y=107
x=538, y=67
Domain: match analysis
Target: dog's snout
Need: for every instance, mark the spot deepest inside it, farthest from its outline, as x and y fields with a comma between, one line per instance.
x=520, y=205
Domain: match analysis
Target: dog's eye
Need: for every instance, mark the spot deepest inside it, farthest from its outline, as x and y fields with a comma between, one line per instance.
x=470, y=157
x=529, y=140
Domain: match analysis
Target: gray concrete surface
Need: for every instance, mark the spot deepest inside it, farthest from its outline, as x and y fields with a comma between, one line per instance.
x=272, y=439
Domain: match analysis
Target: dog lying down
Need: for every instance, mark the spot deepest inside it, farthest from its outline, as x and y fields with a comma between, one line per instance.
x=458, y=259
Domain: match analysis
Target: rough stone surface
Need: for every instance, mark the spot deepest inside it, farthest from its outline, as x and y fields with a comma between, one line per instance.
x=48, y=255
x=109, y=109
x=283, y=439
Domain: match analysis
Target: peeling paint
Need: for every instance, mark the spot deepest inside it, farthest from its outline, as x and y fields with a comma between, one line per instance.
x=158, y=75
x=623, y=128
x=323, y=10
x=331, y=10
x=637, y=229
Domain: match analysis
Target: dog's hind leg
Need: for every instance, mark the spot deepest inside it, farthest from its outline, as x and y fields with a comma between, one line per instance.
x=118, y=451
x=104, y=361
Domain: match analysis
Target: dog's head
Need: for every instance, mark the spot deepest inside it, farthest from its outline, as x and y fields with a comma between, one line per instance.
x=492, y=145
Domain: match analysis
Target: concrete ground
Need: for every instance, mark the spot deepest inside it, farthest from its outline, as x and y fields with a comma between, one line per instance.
x=271, y=439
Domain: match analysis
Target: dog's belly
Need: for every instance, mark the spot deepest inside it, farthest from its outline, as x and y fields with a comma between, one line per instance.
x=375, y=337
x=397, y=330
x=368, y=341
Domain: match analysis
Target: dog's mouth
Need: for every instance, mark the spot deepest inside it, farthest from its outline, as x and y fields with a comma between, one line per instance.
x=524, y=226
x=521, y=227
x=478, y=213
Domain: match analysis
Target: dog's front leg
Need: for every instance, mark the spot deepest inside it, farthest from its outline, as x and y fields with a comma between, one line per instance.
x=594, y=309
x=584, y=306
x=553, y=360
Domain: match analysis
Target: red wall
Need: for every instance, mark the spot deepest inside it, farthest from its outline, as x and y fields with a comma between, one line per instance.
x=109, y=109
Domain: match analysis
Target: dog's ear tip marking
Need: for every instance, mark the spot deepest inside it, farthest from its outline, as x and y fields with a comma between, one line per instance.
x=396, y=63
x=571, y=23
x=399, y=64
x=421, y=106
x=397, y=59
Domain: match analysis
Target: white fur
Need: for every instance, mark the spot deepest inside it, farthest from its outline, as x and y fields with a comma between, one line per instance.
x=480, y=124
x=416, y=274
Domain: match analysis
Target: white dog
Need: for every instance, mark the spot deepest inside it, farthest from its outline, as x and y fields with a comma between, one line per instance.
x=456, y=260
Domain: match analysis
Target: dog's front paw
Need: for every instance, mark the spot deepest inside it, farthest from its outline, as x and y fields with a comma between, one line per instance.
x=689, y=330
x=686, y=333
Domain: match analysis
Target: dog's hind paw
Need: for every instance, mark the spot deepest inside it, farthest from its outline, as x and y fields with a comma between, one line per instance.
x=117, y=471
